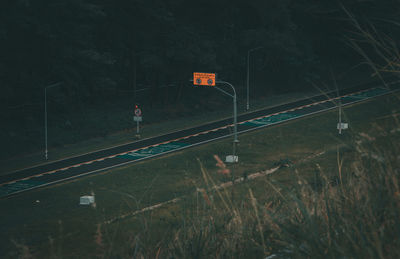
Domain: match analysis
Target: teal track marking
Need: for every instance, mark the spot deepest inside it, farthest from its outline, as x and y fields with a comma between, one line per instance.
x=135, y=155
x=155, y=150
x=367, y=94
x=272, y=119
x=19, y=186
x=281, y=117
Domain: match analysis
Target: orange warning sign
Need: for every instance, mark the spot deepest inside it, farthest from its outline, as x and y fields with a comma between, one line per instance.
x=204, y=79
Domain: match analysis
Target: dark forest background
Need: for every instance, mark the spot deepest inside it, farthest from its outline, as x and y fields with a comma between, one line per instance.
x=109, y=55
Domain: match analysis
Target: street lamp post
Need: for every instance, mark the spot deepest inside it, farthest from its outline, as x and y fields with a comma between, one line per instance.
x=209, y=79
x=235, y=138
x=45, y=117
x=248, y=77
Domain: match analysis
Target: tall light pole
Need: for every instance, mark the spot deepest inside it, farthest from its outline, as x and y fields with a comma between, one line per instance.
x=234, y=158
x=248, y=78
x=209, y=79
x=45, y=117
x=235, y=138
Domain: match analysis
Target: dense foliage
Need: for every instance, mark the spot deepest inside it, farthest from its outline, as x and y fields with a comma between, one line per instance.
x=109, y=51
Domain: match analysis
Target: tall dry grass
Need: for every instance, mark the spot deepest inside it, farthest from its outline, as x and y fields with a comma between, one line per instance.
x=355, y=214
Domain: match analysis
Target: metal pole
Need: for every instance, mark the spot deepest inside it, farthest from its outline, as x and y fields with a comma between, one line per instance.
x=340, y=116
x=137, y=127
x=45, y=117
x=247, y=92
x=45, y=123
x=235, y=118
x=248, y=77
x=235, y=138
x=234, y=96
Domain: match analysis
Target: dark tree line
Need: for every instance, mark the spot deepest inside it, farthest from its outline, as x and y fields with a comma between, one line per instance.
x=102, y=47
x=104, y=50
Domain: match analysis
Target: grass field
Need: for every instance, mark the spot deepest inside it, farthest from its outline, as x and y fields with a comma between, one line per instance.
x=254, y=218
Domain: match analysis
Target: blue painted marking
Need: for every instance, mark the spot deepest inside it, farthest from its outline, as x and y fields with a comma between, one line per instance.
x=151, y=151
x=19, y=186
x=272, y=119
x=366, y=94
x=289, y=115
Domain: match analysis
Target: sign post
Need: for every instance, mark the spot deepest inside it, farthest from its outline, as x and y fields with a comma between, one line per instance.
x=209, y=79
x=138, y=118
x=341, y=125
